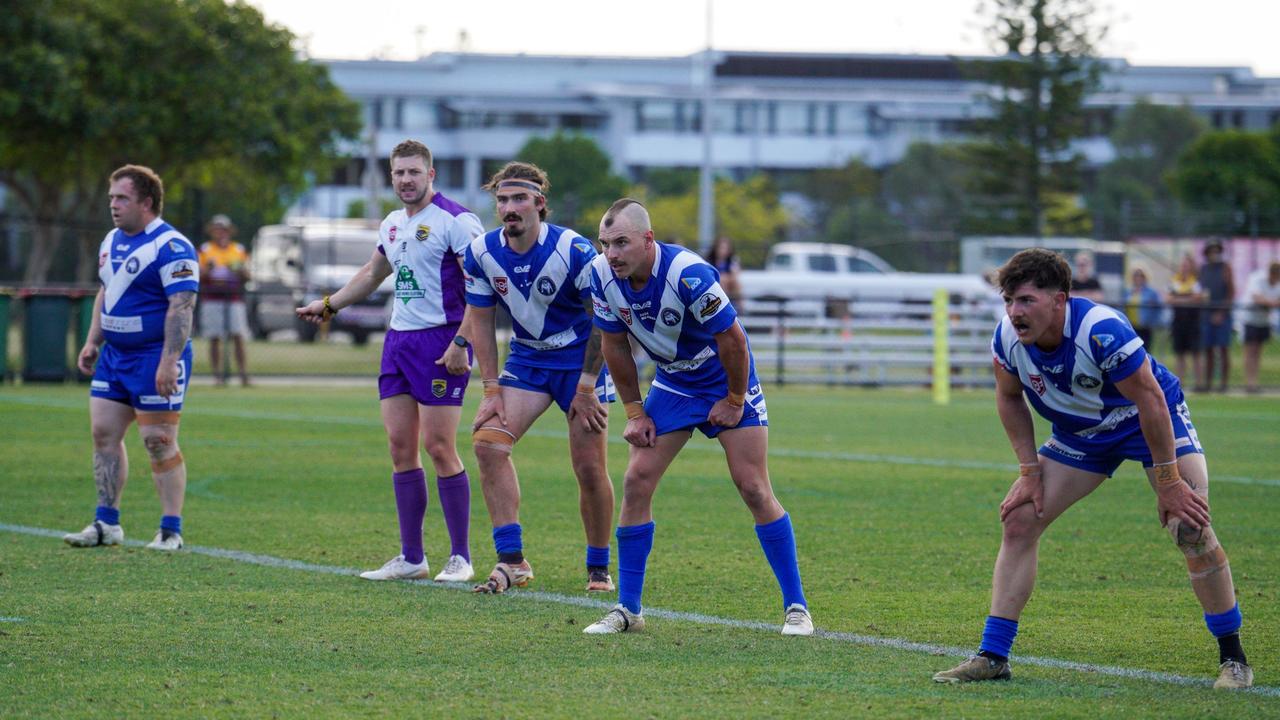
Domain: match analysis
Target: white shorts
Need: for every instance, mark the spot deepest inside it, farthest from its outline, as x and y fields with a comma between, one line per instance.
x=220, y=318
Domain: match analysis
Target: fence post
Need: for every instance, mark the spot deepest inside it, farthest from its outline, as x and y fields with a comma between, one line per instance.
x=941, y=352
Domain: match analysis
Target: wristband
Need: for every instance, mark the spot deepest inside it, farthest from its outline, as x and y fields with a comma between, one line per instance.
x=1029, y=468
x=635, y=409
x=736, y=399
x=1167, y=474
x=329, y=310
x=491, y=388
x=585, y=389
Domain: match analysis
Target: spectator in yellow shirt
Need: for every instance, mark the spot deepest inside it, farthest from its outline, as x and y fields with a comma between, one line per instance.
x=224, y=269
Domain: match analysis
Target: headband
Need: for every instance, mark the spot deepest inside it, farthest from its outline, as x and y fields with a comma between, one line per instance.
x=521, y=184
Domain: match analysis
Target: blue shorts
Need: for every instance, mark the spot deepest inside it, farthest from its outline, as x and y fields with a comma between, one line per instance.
x=673, y=409
x=1105, y=456
x=559, y=384
x=129, y=377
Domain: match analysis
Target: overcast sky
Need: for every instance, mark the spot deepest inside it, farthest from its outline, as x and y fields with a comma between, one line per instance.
x=1149, y=32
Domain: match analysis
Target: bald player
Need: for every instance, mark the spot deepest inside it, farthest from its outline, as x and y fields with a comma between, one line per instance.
x=671, y=302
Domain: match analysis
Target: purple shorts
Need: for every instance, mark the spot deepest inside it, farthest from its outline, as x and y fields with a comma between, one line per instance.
x=409, y=366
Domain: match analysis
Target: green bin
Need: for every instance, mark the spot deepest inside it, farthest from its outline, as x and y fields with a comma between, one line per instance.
x=4, y=337
x=48, y=318
x=84, y=321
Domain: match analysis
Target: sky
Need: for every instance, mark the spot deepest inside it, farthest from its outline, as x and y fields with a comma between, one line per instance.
x=1144, y=32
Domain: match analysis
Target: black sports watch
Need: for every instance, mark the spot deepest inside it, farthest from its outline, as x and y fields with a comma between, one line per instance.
x=460, y=341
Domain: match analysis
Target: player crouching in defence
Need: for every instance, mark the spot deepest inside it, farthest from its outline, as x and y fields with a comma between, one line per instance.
x=1083, y=368
x=671, y=302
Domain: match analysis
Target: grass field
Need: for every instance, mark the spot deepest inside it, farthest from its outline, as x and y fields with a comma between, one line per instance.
x=893, y=501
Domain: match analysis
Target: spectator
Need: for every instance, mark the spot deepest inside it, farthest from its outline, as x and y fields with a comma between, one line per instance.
x=1220, y=291
x=224, y=266
x=723, y=258
x=1142, y=306
x=1083, y=281
x=1185, y=297
x=1262, y=295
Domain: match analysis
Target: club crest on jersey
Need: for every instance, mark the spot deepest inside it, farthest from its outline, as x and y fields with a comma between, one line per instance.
x=1087, y=382
x=132, y=266
x=670, y=317
x=424, y=231
x=439, y=388
x=391, y=234
x=625, y=314
x=1037, y=384
x=500, y=284
x=692, y=283
x=183, y=270
x=546, y=286
x=102, y=259
x=1103, y=340
x=708, y=304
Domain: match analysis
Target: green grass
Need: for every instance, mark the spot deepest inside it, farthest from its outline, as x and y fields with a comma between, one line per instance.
x=888, y=549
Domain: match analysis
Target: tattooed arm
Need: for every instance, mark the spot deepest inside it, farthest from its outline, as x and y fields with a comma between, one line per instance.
x=177, y=330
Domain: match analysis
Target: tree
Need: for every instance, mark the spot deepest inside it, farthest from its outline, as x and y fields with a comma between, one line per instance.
x=1133, y=194
x=1046, y=69
x=581, y=176
x=203, y=91
x=1233, y=176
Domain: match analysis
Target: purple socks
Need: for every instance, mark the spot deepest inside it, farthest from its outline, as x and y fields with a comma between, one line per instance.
x=455, y=502
x=411, y=506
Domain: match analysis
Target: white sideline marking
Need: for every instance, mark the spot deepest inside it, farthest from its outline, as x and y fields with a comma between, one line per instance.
x=699, y=618
x=774, y=450
x=12, y=619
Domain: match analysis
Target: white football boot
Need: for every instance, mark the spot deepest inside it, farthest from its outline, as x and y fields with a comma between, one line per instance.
x=617, y=620
x=166, y=540
x=397, y=569
x=97, y=533
x=457, y=569
x=797, y=621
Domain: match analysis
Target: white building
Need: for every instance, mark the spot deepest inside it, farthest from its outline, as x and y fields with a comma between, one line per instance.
x=780, y=112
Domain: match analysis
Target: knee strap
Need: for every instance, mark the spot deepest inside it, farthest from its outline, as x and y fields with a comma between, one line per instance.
x=493, y=438
x=1204, y=554
x=162, y=466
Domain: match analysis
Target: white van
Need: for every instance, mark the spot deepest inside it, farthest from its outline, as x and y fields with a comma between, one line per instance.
x=824, y=258
x=291, y=265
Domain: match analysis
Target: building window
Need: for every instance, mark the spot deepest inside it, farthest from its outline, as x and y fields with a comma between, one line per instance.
x=850, y=119
x=795, y=118
x=655, y=116
x=1237, y=118
x=1217, y=119
x=374, y=109
x=450, y=171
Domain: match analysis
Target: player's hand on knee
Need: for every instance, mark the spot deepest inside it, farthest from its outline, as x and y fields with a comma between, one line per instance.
x=1028, y=488
x=641, y=432
x=490, y=408
x=1181, y=502
x=586, y=410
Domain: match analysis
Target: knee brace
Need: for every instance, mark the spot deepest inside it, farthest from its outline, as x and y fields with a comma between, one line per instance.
x=163, y=466
x=1205, y=557
x=493, y=438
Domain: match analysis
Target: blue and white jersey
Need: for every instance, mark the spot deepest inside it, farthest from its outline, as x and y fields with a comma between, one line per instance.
x=675, y=316
x=544, y=290
x=139, y=273
x=424, y=250
x=1074, y=385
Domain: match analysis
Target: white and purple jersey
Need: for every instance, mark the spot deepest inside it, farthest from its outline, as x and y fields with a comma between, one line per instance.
x=544, y=290
x=424, y=251
x=675, y=316
x=1073, y=386
x=139, y=273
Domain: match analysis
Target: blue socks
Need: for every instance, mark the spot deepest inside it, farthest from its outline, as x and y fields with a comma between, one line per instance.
x=507, y=540
x=598, y=557
x=997, y=637
x=634, y=544
x=172, y=523
x=107, y=515
x=779, y=543
x=1225, y=623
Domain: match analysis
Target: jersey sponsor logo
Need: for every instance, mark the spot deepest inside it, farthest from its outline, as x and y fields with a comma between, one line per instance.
x=1061, y=449
x=183, y=270
x=670, y=317
x=439, y=387
x=521, y=268
x=1103, y=339
x=546, y=286
x=708, y=305
x=1055, y=369
x=122, y=247
x=407, y=287
x=457, y=392
x=1037, y=384
x=424, y=231
x=691, y=282
x=132, y=266
x=625, y=312
x=583, y=247
x=500, y=284
x=1087, y=382
x=175, y=246
x=1115, y=360
x=601, y=308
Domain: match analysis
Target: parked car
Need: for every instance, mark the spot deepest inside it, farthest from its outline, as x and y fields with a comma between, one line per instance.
x=824, y=258
x=293, y=264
